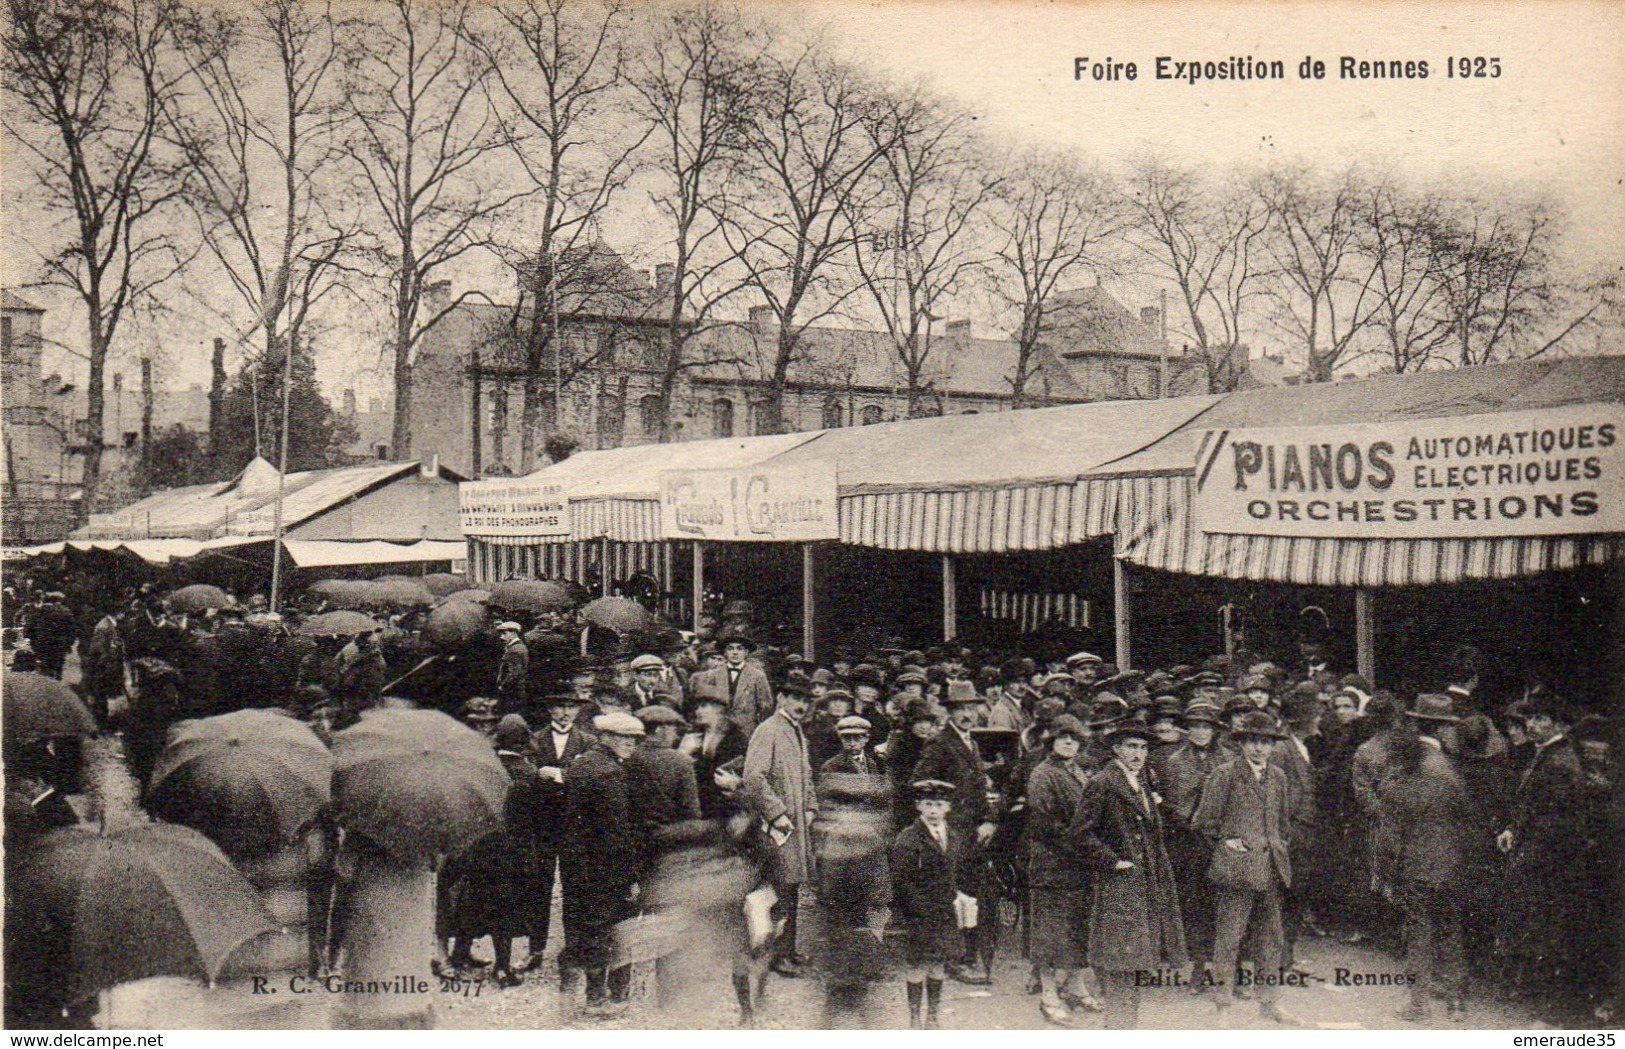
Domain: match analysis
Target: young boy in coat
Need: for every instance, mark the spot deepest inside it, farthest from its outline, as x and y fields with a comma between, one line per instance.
x=929, y=862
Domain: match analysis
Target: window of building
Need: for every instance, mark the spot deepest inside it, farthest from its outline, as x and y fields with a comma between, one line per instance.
x=611, y=419
x=130, y=437
x=833, y=413
x=649, y=413
x=970, y=411
x=722, y=417
x=382, y=450
x=872, y=414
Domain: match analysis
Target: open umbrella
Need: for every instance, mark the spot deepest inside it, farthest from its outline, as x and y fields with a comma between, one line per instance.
x=454, y=623
x=531, y=595
x=148, y=900
x=200, y=597
x=345, y=593
x=249, y=780
x=417, y=783
x=400, y=592
x=473, y=593
x=339, y=624
x=620, y=614
x=442, y=583
x=36, y=706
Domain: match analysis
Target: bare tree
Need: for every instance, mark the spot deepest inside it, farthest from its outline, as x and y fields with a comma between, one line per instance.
x=928, y=190
x=424, y=131
x=1322, y=269
x=1401, y=229
x=557, y=73
x=696, y=85
x=265, y=143
x=1206, y=235
x=1055, y=220
x=791, y=228
x=91, y=80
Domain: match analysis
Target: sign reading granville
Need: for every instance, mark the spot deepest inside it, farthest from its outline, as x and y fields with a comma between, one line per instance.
x=1554, y=472
x=516, y=507
x=750, y=505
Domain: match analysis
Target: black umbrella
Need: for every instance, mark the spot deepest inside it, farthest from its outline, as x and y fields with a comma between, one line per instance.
x=249, y=780
x=339, y=624
x=454, y=623
x=399, y=592
x=417, y=782
x=149, y=900
x=620, y=614
x=442, y=583
x=532, y=595
x=36, y=707
x=200, y=597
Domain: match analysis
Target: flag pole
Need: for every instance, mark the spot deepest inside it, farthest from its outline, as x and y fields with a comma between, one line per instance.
x=281, y=480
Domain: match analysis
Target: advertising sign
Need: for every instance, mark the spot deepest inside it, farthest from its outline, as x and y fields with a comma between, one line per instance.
x=756, y=504
x=1554, y=472
x=513, y=507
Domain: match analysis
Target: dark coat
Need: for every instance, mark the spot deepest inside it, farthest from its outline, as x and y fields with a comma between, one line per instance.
x=1236, y=804
x=599, y=853
x=731, y=745
x=843, y=764
x=1300, y=782
x=924, y=882
x=552, y=797
x=1134, y=920
x=662, y=789
x=1053, y=792
x=750, y=697
x=1547, y=888
x=822, y=742
x=513, y=678
x=948, y=758
x=1182, y=773
x=1432, y=819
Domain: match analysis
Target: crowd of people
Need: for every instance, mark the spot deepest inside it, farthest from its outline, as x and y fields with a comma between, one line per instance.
x=893, y=811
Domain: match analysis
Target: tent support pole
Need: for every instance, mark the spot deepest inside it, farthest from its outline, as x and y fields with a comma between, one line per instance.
x=809, y=600
x=950, y=597
x=603, y=565
x=1121, y=613
x=1365, y=634
x=697, y=584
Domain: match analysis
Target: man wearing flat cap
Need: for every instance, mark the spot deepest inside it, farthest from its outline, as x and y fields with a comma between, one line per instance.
x=1425, y=801
x=857, y=757
x=750, y=696
x=661, y=781
x=778, y=777
x=513, y=670
x=1245, y=811
x=599, y=863
x=653, y=684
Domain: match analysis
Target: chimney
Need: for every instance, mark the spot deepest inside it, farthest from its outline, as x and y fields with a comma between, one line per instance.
x=958, y=331
x=437, y=295
x=349, y=403
x=1151, y=317
x=429, y=466
x=761, y=318
x=665, y=274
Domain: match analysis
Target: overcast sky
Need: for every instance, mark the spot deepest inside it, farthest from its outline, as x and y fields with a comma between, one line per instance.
x=1553, y=122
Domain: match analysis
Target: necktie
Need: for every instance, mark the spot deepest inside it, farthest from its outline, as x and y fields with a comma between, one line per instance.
x=859, y=762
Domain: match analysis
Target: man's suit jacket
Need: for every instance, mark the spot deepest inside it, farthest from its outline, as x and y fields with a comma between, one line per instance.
x=750, y=698
x=1431, y=818
x=550, y=802
x=842, y=763
x=1237, y=804
x=1300, y=781
x=948, y=758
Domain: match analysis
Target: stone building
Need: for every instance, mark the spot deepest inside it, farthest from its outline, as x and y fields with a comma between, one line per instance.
x=40, y=468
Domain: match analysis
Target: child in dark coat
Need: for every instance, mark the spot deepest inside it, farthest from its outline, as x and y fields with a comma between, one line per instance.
x=929, y=864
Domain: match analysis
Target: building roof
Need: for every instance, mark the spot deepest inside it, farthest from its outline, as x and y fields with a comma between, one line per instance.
x=1089, y=322
x=10, y=300
x=244, y=505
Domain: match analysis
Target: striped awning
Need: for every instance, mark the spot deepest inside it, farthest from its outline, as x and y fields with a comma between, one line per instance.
x=1157, y=530
x=978, y=521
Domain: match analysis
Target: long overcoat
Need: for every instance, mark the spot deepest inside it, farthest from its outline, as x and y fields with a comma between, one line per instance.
x=1237, y=804
x=1547, y=886
x=779, y=778
x=1134, y=920
x=1431, y=818
x=925, y=880
x=599, y=854
x=1053, y=792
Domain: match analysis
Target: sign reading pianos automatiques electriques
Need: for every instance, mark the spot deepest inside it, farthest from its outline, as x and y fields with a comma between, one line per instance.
x=755, y=504
x=1552, y=472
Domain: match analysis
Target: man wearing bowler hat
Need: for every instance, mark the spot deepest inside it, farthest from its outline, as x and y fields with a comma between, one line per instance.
x=1245, y=811
x=555, y=749
x=750, y=696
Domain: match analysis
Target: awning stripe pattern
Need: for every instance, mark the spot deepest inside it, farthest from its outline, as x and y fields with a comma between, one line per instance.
x=1157, y=530
x=985, y=520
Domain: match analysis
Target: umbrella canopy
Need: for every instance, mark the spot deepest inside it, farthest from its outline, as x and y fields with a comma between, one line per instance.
x=620, y=614
x=473, y=593
x=249, y=780
x=339, y=624
x=442, y=583
x=344, y=593
x=149, y=900
x=400, y=592
x=200, y=597
x=532, y=595
x=417, y=782
x=36, y=706
x=454, y=623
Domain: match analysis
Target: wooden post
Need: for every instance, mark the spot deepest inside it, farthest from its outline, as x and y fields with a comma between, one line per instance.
x=1121, y=612
x=1365, y=635
x=809, y=600
x=603, y=566
x=697, y=583
x=950, y=597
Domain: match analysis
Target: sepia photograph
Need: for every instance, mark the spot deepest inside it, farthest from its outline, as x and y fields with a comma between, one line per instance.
x=803, y=515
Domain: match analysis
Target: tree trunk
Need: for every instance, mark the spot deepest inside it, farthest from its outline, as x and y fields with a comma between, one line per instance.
x=96, y=407
x=400, y=434
x=146, y=427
